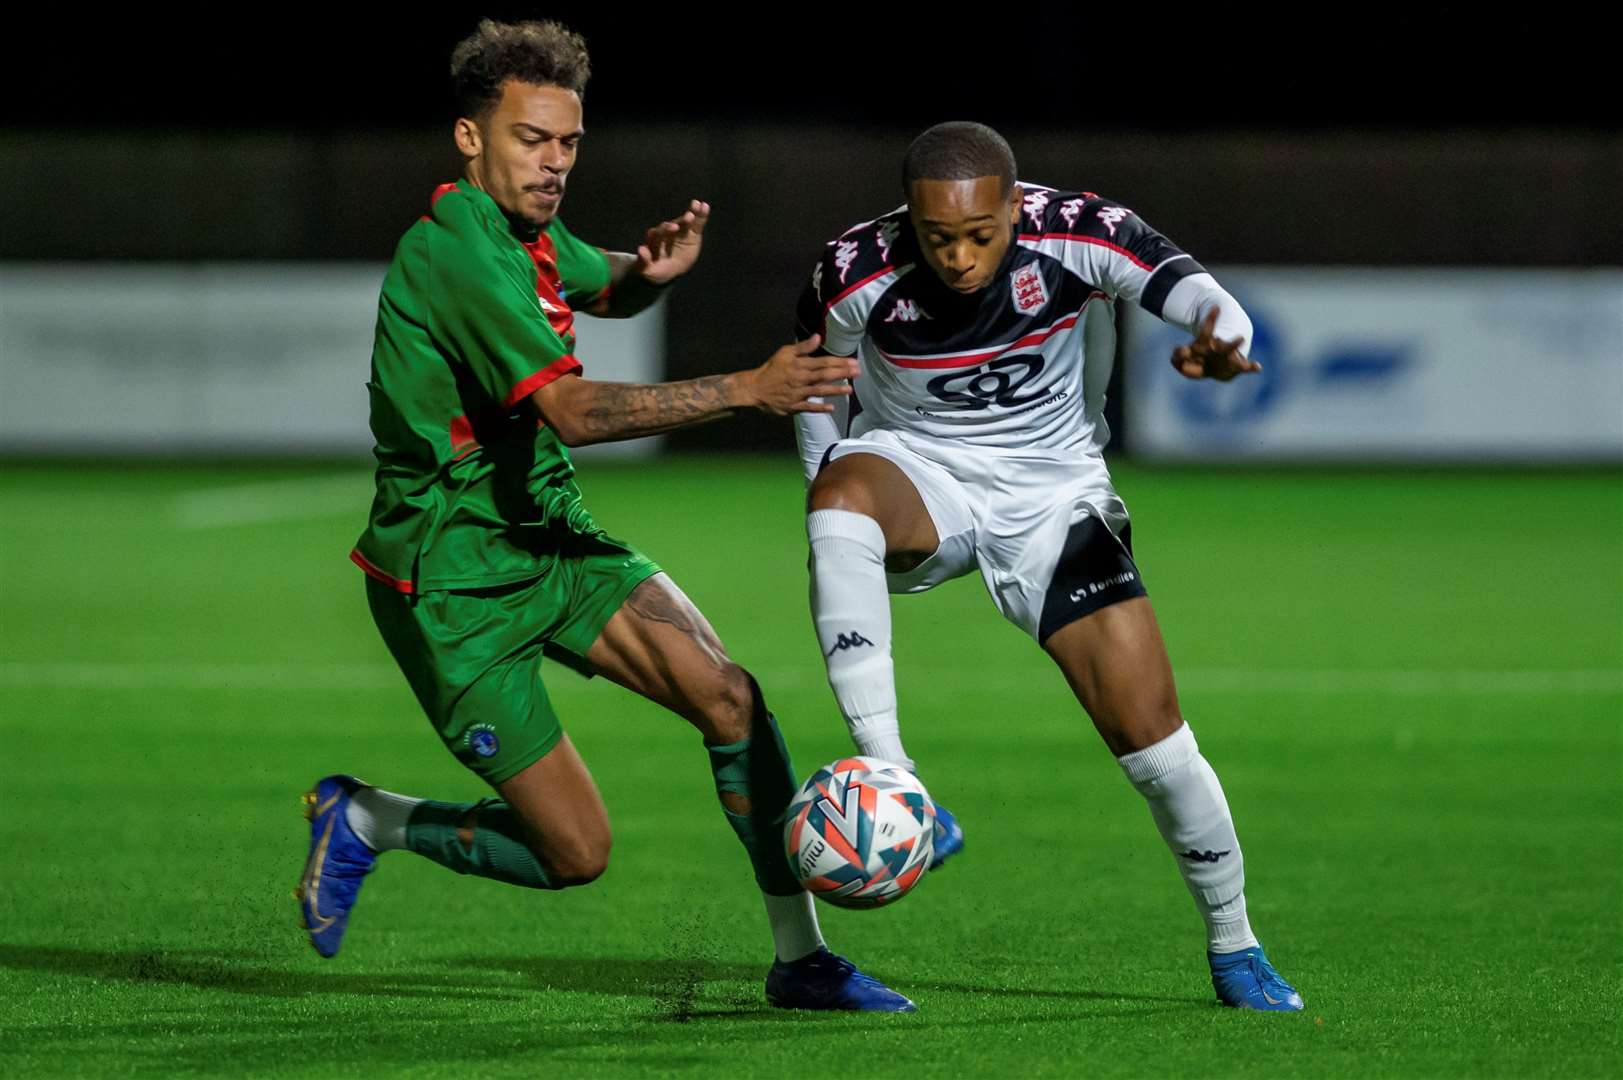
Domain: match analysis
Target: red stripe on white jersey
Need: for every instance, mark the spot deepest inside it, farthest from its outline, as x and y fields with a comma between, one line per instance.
x=1077, y=239
x=970, y=359
x=869, y=280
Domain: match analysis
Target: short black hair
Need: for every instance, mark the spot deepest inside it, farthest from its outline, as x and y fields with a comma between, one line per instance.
x=959, y=150
x=540, y=53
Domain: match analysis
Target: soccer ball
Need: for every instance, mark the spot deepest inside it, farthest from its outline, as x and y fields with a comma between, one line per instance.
x=860, y=832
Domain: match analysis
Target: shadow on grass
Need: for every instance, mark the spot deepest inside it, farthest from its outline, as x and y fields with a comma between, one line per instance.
x=237, y=972
x=483, y=1012
x=682, y=989
x=675, y=984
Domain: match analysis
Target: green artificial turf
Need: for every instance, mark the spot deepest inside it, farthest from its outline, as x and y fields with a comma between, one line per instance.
x=1410, y=683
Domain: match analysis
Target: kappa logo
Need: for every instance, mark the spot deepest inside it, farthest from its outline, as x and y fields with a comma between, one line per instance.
x=1203, y=856
x=886, y=237
x=907, y=311
x=1069, y=210
x=1028, y=291
x=1035, y=203
x=853, y=640
x=1112, y=216
x=845, y=253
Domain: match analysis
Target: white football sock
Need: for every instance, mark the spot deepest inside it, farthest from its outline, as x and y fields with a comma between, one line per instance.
x=1189, y=808
x=851, y=610
x=379, y=817
x=794, y=925
x=1227, y=928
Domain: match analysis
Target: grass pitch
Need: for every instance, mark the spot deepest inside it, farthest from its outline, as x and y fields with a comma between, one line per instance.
x=1411, y=684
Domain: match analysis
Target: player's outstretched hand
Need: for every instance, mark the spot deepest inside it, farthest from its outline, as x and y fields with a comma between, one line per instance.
x=791, y=380
x=1210, y=357
x=670, y=248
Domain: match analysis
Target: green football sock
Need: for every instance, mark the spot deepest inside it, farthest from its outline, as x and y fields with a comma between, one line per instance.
x=498, y=850
x=757, y=768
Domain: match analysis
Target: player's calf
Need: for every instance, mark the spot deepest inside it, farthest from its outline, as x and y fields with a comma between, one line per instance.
x=1116, y=662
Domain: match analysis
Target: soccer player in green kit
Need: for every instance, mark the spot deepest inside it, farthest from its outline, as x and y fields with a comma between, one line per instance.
x=480, y=556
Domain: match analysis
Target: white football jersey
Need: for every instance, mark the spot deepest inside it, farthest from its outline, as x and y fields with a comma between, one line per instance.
x=1021, y=363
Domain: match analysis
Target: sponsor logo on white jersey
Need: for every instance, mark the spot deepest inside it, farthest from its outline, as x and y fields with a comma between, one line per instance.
x=1112, y=216
x=887, y=237
x=1036, y=202
x=907, y=311
x=1029, y=292
x=845, y=253
x=1069, y=209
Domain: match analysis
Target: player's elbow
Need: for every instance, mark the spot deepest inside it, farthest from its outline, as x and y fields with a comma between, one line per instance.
x=568, y=430
x=558, y=404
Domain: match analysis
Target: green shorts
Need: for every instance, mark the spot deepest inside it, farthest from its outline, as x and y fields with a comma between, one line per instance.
x=473, y=656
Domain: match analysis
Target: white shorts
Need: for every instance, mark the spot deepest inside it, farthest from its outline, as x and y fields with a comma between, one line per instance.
x=1013, y=513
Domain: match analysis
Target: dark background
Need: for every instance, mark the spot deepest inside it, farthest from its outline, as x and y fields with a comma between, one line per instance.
x=1332, y=136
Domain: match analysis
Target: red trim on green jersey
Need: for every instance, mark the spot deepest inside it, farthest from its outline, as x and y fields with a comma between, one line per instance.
x=549, y=286
x=439, y=193
x=564, y=365
x=463, y=441
x=393, y=582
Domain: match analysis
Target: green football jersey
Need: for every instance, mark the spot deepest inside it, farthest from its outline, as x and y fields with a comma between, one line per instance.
x=473, y=489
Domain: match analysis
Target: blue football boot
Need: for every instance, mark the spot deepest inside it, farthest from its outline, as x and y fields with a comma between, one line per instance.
x=337, y=865
x=1246, y=980
x=949, y=837
x=823, y=980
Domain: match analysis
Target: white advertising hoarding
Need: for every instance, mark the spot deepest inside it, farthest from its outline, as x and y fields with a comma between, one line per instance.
x=220, y=358
x=1367, y=364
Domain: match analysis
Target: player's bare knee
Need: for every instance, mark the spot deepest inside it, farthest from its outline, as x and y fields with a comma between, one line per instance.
x=579, y=864
x=726, y=707
x=1151, y=719
x=834, y=489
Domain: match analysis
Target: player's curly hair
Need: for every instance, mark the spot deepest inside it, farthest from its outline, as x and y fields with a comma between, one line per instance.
x=541, y=53
x=959, y=150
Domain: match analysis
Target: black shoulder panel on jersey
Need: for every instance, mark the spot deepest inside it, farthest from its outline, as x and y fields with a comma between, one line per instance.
x=1045, y=210
x=1085, y=214
x=1116, y=225
x=1112, y=224
x=860, y=253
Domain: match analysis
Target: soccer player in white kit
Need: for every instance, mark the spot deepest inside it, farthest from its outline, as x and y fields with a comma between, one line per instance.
x=980, y=314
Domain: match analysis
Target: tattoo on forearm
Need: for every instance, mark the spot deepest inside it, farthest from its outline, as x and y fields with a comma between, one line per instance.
x=624, y=410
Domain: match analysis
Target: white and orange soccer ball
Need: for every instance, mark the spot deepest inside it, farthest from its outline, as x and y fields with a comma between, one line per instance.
x=860, y=832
